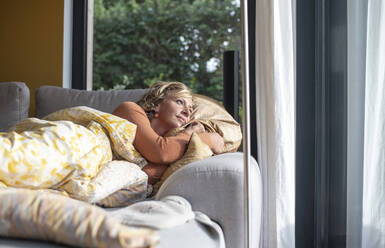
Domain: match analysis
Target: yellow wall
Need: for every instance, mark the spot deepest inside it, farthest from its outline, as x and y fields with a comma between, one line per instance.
x=31, y=42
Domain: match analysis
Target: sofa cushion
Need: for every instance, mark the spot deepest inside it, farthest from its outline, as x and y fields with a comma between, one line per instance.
x=51, y=98
x=14, y=104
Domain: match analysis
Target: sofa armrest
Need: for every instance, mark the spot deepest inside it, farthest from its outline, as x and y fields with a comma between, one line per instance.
x=14, y=104
x=214, y=186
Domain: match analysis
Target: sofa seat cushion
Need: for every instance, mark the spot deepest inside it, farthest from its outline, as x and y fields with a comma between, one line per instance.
x=14, y=104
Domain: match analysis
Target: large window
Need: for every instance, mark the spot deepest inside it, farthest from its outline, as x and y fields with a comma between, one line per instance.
x=139, y=42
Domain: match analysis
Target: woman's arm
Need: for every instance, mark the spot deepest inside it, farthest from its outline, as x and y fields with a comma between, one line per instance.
x=155, y=148
x=154, y=172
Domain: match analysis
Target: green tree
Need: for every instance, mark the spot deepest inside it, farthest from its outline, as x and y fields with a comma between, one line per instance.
x=138, y=42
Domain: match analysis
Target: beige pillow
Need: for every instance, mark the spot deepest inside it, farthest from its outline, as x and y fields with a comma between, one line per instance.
x=214, y=115
x=215, y=118
x=45, y=216
x=196, y=150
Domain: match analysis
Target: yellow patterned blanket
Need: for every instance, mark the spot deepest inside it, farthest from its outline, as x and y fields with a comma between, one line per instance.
x=68, y=145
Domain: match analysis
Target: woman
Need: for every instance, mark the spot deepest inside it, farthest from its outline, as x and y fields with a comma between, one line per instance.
x=166, y=106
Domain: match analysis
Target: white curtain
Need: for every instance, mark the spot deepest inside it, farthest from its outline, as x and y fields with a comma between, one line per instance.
x=373, y=207
x=366, y=125
x=275, y=119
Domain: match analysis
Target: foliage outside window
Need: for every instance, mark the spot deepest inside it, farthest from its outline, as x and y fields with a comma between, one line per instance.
x=139, y=42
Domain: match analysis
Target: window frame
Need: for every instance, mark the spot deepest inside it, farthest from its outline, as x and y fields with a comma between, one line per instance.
x=79, y=44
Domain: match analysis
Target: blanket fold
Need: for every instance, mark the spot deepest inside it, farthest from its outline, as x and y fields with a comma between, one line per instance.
x=67, y=145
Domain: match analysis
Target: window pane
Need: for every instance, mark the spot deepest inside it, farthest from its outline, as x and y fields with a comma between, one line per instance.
x=139, y=42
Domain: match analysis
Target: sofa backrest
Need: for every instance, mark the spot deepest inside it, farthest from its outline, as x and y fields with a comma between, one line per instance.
x=51, y=98
x=14, y=104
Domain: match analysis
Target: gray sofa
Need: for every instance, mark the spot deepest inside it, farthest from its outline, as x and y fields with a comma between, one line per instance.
x=213, y=186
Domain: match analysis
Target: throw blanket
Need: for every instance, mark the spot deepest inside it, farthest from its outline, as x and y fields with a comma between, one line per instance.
x=169, y=212
x=70, y=144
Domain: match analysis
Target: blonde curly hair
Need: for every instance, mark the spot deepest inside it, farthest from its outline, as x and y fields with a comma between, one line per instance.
x=160, y=91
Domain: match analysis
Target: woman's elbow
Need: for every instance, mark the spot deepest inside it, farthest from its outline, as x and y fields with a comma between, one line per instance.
x=161, y=158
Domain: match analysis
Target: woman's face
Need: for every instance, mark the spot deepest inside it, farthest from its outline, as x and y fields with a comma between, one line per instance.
x=173, y=112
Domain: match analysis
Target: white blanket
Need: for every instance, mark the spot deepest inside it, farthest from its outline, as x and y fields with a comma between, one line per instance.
x=168, y=212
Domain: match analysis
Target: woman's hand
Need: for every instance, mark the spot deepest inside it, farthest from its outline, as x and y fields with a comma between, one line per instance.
x=217, y=144
x=195, y=127
x=213, y=140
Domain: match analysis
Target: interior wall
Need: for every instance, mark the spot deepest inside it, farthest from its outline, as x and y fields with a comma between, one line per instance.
x=31, y=43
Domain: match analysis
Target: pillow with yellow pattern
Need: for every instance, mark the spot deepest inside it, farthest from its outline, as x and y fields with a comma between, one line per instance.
x=112, y=177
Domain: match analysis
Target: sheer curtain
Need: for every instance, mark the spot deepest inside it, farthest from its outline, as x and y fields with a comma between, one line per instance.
x=366, y=162
x=275, y=119
x=373, y=208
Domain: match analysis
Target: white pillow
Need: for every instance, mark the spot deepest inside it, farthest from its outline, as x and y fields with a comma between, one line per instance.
x=113, y=176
